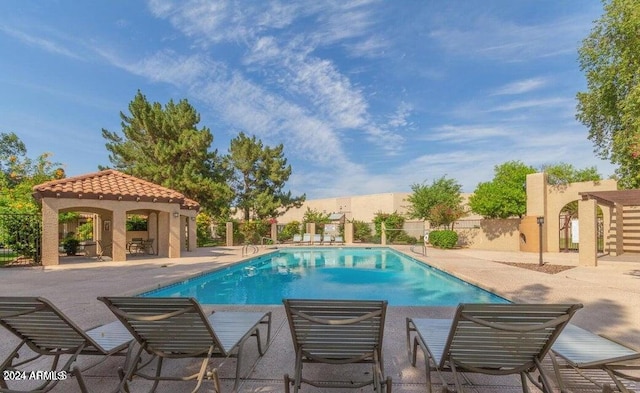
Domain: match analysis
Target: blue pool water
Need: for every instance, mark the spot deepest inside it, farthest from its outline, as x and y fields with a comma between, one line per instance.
x=335, y=273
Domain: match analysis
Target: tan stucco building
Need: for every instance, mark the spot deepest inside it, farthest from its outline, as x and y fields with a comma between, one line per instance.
x=359, y=207
x=111, y=195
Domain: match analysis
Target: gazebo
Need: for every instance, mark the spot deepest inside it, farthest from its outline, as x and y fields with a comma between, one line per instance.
x=112, y=195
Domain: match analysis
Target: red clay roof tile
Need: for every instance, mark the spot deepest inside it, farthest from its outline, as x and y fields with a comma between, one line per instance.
x=113, y=185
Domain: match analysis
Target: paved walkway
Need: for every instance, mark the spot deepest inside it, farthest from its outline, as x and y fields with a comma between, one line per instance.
x=610, y=294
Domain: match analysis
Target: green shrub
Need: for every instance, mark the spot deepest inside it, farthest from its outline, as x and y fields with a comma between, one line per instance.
x=71, y=245
x=290, y=229
x=361, y=231
x=443, y=239
x=404, y=237
x=392, y=221
x=136, y=223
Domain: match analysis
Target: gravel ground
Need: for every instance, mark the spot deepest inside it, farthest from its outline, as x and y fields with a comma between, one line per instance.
x=545, y=268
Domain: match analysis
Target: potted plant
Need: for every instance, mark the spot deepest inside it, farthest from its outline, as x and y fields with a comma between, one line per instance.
x=70, y=246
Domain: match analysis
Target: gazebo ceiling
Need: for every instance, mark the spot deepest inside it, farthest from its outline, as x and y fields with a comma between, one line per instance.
x=111, y=185
x=623, y=197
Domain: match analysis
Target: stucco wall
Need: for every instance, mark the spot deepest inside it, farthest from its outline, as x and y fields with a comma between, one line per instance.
x=497, y=235
x=361, y=207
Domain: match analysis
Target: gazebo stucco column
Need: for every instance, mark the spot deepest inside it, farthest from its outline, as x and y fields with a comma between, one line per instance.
x=193, y=235
x=49, y=241
x=588, y=253
x=119, y=233
x=174, y=235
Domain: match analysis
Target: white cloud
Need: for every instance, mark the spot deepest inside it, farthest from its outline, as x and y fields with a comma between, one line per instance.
x=533, y=103
x=521, y=87
x=466, y=133
x=511, y=42
x=39, y=42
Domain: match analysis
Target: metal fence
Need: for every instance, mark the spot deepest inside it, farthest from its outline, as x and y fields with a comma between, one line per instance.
x=20, y=239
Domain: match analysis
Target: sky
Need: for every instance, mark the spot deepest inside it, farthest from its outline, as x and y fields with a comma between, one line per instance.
x=366, y=96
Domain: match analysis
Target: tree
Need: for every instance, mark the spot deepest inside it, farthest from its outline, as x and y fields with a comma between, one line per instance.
x=258, y=175
x=505, y=196
x=563, y=174
x=393, y=223
x=19, y=173
x=438, y=203
x=164, y=145
x=610, y=59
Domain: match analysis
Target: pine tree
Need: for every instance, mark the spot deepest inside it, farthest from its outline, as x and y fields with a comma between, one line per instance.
x=258, y=177
x=164, y=145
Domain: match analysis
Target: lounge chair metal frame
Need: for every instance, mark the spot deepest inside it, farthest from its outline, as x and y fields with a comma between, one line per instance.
x=337, y=332
x=177, y=328
x=585, y=362
x=494, y=339
x=46, y=331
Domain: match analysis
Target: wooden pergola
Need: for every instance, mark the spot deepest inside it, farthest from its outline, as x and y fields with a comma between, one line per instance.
x=587, y=206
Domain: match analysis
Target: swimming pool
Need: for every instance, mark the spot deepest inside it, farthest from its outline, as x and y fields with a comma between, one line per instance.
x=335, y=273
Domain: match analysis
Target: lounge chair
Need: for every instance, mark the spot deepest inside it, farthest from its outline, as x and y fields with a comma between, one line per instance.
x=585, y=362
x=338, y=239
x=177, y=328
x=306, y=238
x=495, y=339
x=46, y=331
x=327, y=239
x=317, y=238
x=337, y=332
x=297, y=239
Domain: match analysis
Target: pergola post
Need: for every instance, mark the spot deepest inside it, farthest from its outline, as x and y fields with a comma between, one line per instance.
x=619, y=246
x=588, y=253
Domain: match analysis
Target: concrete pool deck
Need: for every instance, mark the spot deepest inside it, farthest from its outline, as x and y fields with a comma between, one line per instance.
x=609, y=292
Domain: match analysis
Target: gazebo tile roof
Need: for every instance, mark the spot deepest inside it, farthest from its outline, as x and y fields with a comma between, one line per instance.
x=111, y=184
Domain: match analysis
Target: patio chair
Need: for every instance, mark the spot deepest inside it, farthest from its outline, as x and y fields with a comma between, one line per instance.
x=337, y=332
x=338, y=239
x=147, y=246
x=306, y=238
x=48, y=332
x=317, y=238
x=494, y=339
x=297, y=239
x=102, y=249
x=134, y=245
x=177, y=328
x=581, y=361
x=327, y=239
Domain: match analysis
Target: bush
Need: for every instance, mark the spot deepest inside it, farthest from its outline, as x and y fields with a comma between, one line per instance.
x=443, y=239
x=71, y=245
x=404, y=237
x=290, y=229
x=392, y=221
x=361, y=231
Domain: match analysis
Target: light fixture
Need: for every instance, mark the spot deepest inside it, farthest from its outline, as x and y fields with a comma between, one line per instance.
x=193, y=218
x=176, y=214
x=540, y=221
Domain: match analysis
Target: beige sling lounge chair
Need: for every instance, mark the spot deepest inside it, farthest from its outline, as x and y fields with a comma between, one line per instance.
x=177, y=328
x=495, y=339
x=337, y=332
x=46, y=331
x=581, y=361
